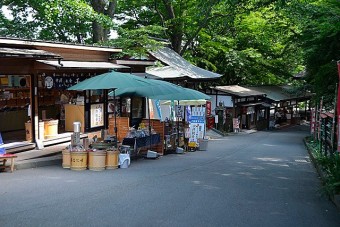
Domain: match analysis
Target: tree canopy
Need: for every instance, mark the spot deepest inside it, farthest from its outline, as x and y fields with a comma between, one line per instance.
x=248, y=42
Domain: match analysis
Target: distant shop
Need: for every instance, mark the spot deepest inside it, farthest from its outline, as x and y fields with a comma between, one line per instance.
x=293, y=105
x=238, y=107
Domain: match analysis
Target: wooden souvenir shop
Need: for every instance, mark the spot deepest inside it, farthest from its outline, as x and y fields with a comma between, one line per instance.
x=34, y=77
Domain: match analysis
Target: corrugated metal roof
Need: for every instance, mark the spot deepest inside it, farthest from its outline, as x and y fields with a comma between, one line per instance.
x=279, y=93
x=179, y=64
x=26, y=53
x=83, y=64
x=238, y=91
x=167, y=72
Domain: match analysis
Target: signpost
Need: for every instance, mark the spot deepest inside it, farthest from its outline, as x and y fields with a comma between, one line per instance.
x=338, y=109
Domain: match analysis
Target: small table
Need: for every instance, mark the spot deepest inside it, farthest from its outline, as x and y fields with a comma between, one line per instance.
x=4, y=158
x=142, y=142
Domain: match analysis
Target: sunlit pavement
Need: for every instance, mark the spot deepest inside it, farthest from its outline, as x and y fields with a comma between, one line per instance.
x=257, y=179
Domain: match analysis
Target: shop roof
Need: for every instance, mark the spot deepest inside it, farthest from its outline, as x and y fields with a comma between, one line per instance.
x=147, y=75
x=280, y=93
x=254, y=104
x=239, y=91
x=168, y=72
x=83, y=65
x=26, y=53
x=134, y=62
x=178, y=67
x=39, y=43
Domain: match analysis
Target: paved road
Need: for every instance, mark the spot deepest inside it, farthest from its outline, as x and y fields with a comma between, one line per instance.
x=260, y=179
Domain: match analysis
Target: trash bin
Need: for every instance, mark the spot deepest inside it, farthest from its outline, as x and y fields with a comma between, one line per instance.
x=203, y=144
x=124, y=161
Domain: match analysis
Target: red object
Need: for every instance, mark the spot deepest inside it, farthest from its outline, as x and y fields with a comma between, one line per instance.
x=8, y=155
x=208, y=107
x=210, y=122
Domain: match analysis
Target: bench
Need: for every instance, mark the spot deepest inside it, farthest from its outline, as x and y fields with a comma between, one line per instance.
x=4, y=158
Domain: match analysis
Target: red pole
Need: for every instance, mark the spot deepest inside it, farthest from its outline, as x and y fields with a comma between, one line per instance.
x=338, y=109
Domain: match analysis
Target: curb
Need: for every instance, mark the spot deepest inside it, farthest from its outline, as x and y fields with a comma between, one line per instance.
x=334, y=198
x=39, y=162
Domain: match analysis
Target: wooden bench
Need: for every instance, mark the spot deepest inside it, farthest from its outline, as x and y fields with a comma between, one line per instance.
x=4, y=158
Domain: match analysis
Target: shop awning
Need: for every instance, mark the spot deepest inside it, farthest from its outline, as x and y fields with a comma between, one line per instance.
x=254, y=104
x=83, y=65
x=27, y=53
x=281, y=93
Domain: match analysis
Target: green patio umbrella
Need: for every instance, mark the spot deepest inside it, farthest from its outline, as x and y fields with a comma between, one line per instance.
x=154, y=88
x=111, y=81
x=184, y=94
x=161, y=90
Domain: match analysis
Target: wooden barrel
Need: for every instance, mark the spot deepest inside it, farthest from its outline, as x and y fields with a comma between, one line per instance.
x=51, y=128
x=66, y=159
x=78, y=160
x=97, y=160
x=112, y=159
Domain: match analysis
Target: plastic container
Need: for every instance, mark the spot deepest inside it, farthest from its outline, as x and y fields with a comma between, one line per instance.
x=203, y=144
x=124, y=161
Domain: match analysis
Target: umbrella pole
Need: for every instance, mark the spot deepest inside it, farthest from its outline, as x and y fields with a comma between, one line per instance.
x=147, y=99
x=177, y=124
x=115, y=112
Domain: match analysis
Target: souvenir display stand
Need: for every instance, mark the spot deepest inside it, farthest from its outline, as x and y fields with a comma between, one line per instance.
x=139, y=143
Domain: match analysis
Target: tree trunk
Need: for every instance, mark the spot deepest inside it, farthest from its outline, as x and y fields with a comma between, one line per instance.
x=175, y=27
x=100, y=34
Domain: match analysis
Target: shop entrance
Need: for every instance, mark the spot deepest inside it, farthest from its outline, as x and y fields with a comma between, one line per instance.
x=14, y=107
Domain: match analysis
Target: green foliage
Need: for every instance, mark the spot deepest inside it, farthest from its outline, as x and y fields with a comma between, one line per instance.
x=249, y=42
x=59, y=20
x=320, y=40
x=249, y=45
x=136, y=43
x=330, y=165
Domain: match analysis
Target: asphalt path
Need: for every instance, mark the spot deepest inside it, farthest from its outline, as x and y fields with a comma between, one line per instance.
x=259, y=179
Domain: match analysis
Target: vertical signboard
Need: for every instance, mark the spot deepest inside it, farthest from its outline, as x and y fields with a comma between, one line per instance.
x=197, y=124
x=312, y=121
x=208, y=108
x=338, y=109
x=97, y=115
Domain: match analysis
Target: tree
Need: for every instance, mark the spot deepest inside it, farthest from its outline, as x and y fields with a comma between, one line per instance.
x=320, y=39
x=182, y=20
x=59, y=20
x=107, y=8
